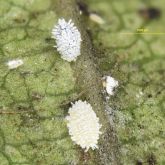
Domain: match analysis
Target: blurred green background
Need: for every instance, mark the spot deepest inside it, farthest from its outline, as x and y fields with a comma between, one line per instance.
x=137, y=61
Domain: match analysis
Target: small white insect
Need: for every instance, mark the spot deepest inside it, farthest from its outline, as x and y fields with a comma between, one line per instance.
x=83, y=125
x=68, y=39
x=14, y=63
x=109, y=83
x=96, y=18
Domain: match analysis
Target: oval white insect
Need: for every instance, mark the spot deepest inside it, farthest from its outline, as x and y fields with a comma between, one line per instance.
x=68, y=39
x=96, y=18
x=109, y=83
x=14, y=63
x=83, y=125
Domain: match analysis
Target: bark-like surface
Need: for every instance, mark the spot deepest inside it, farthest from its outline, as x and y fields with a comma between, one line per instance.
x=88, y=78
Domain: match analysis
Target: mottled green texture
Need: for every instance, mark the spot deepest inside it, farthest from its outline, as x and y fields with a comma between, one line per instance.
x=137, y=62
x=32, y=127
x=34, y=97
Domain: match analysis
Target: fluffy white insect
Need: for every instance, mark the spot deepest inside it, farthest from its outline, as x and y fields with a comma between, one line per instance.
x=68, y=39
x=14, y=63
x=110, y=83
x=83, y=125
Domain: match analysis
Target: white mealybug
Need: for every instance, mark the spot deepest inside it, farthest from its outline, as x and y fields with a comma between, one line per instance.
x=109, y=83
x=68, y=39
x=83, y=125
x=14, y=63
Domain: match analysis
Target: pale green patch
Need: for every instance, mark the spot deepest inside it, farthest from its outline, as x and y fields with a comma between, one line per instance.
x=136, y=61
x=32, y=123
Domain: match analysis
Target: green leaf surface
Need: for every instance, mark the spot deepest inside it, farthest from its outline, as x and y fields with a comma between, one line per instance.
x=35, y=132
x=137, y=61
x=34, y=97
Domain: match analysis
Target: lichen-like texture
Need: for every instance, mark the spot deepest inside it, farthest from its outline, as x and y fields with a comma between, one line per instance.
x=34, y=97
x=32, y=124
x=83, y=125
x=137, y=62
